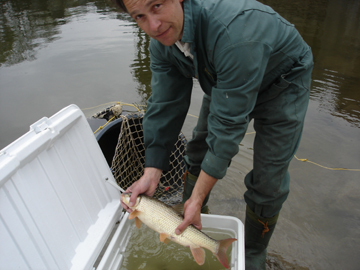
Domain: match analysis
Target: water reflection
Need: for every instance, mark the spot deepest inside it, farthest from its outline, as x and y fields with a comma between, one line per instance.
x=141, y=66
x=27, y=26
x=336, y=94
x=332, y=29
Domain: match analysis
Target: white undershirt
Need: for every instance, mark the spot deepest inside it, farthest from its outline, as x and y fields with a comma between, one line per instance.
x=185, y=48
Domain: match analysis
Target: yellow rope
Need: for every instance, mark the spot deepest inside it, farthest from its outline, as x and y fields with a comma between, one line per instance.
x=132, y=105
x=193, y=115
x=101, y=127
x=333, y=169
x=112, y=118
x=115, y=102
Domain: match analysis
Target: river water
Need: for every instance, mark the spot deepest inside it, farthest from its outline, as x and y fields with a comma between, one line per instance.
x=54, y=53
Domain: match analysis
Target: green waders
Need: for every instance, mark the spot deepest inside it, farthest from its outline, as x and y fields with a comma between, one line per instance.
x=258, y=232
x=278, y=122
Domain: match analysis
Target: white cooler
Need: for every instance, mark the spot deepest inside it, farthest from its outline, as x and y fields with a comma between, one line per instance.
x=56, y=209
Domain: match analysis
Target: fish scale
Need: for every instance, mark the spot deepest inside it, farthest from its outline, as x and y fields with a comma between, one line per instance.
x=164, y=219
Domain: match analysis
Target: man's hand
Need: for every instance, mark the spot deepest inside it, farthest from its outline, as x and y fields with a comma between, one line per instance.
x=192, y=210
x=192, y=207
x=145, y=185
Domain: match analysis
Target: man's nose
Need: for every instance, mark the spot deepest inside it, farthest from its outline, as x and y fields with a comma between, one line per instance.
x=154, y=23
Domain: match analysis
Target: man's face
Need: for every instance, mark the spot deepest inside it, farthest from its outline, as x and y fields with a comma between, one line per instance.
x=162, y=20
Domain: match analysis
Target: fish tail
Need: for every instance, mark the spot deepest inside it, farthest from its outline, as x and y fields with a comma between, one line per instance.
x=221, y=254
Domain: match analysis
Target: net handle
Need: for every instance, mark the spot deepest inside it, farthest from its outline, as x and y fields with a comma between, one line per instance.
x=114, y=185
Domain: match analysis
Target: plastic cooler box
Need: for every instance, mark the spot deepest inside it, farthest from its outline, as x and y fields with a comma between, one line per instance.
x=56, y=209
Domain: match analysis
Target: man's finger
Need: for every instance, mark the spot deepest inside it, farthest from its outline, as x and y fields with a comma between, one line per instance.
x=133, y=197
x=182, y=227
x=125, y=207
x=198, y=226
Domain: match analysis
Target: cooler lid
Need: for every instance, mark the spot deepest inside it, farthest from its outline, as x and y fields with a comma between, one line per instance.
x=56, y=210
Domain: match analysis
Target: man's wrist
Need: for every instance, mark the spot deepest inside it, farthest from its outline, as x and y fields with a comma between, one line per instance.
x=203, y=186
x=152, y=171
x=197, y=199
x=153, y=174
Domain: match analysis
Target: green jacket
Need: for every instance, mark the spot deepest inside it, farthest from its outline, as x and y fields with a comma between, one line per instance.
x=240, y=49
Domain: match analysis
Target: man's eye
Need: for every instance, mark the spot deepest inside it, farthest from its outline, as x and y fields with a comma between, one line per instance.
x=157, y=6
x=138, y=17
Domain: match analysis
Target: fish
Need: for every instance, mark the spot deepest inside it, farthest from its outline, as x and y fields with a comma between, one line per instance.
x=164, y=219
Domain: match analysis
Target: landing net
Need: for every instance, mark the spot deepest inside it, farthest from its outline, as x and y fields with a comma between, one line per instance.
x=129, y=158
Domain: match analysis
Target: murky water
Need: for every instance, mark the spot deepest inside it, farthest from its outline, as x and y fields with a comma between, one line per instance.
x=145, y=251
x=56, y=52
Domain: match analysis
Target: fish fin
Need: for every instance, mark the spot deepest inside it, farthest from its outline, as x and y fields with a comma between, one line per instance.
x=163, y=237
x=134, y=214
x=221, y=254
x=166, y=241
x=198, y=254
x=138, y=222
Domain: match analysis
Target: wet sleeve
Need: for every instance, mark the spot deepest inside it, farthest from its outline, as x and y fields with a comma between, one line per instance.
x=166, y=109
x=239, y=69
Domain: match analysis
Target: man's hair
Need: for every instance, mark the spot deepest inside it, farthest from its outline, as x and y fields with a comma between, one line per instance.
x=120, y=4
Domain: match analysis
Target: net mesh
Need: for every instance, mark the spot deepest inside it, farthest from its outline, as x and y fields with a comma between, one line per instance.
x=129, y=159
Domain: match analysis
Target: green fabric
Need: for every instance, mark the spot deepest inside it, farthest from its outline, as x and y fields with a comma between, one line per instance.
x=191, y=177
x=257, y=239
x=240, y=49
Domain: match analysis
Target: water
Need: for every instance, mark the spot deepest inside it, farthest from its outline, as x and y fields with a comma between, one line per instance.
x=332, y=29
x=145, y=251
x=54, y=53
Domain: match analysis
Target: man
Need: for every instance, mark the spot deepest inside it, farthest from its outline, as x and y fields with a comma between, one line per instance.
x=252, y=64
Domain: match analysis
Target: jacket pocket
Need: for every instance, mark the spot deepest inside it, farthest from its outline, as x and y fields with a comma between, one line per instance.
x=274, y=90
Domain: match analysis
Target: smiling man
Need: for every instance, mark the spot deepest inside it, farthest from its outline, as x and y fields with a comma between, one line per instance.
x=251, y=64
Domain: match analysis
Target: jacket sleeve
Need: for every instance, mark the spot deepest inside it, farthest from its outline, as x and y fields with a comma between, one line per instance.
x=166, y=108
x=239, y=70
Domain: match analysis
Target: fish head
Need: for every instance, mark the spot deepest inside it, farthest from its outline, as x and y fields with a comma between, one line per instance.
x=125, y=198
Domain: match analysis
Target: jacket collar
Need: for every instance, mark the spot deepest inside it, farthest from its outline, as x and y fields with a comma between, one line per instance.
x=191, y=10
